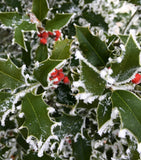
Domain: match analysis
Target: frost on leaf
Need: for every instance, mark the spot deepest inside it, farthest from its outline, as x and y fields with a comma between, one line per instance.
x=129, y=64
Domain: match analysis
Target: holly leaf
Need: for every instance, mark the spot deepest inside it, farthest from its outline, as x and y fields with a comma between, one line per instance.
x=129, y=106
x=19, y=38
x=10, y=75
x=43, y=70
x=61, y=50
x=82, y=149
x=59, y=21
x=41, y=53
x=70, y=125
x=95, y=19
x=104, y=110
x=26, y=55
x=25, y=26
x=93, y=49
x=40, y=8
x=92, y=80
x=130, y=62
x=10, y=18
x=37, y=120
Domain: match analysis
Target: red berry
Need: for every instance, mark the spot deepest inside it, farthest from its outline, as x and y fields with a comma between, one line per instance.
x=60, y=70
x=66, y=80
x=45, y=35
x=40, y=35
x=57, y=33
x=137, y=79
x=56, y=38
x=50, y=33
x=43, y=41
x=61, y=76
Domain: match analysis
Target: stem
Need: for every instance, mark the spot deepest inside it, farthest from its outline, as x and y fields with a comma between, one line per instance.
x=130, y=21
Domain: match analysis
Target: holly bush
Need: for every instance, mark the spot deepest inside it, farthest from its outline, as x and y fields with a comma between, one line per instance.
x=70, y=81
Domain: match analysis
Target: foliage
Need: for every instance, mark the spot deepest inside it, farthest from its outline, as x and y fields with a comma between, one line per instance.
x=70, y=81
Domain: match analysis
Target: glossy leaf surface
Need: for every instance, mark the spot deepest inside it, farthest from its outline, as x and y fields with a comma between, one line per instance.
x=59, y=21
x=10, y=75
x=92, y=80
x=61, y=50
x=129, y=106
x=93, y=49
x=36, y=117
x=40, y=8
x=41, y=53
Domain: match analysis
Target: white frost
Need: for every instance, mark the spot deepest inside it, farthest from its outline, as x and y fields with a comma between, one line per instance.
x=122, y=133
x=139, y=148
x=21, y=115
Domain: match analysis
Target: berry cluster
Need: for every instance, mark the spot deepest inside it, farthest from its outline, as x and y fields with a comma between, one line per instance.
x=137, y=79
x=59, y=75
x=44, y=36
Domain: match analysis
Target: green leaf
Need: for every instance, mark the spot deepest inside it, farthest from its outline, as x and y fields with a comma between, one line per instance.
x=19, y=38
x=6, y=101
x=129, y=106
x=93, y=49
x=42, y=71
x=26, y=55
x=95, y=19
x=124, y=38
x=70, y=125
x=129, y=64
x=59, y=21
x=27, y=26
x=22, y=142
x=36, y=118
x=10, y=18
x=104, y=110
x=61, y=50
x=82, y=149
x=40, y=9
x=41, y=53
x=92, y=80
x=10, y=75
x=19, y=32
